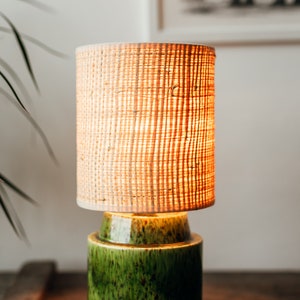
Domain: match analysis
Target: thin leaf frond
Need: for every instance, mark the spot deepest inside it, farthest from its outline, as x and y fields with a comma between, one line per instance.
x=13, y=91
x=35, y=125
x=37, y=43
x=17, y=190
x=22, y=48
x=39, y=5
x=15, y=77
x=11, y=215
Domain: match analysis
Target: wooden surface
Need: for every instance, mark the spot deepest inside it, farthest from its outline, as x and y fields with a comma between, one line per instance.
x=32, y=281
x=216, y=286
x=251, y=286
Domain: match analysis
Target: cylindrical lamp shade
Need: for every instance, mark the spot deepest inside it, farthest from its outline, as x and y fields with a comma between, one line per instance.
x=145, y=127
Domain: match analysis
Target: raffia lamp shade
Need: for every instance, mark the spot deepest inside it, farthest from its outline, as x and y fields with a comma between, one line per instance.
x=145, y=127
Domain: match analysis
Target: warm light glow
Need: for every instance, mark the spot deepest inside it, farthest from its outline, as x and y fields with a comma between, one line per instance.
x=145, y=229
x=145, y=127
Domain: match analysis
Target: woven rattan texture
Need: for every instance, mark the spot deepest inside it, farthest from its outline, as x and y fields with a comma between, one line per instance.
x=145, y=127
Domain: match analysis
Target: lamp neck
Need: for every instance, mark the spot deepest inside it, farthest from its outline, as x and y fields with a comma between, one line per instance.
x=145, y=229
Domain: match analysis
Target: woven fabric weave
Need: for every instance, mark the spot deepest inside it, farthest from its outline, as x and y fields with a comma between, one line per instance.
x=145, y=127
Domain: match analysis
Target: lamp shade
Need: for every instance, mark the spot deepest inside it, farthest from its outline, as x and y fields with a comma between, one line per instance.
x=145, y=127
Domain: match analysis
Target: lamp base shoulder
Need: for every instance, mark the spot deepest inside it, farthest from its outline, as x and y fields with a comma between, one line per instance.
x=122, y=271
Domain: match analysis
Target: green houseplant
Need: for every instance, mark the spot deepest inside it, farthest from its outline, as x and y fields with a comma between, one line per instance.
x=13, y=90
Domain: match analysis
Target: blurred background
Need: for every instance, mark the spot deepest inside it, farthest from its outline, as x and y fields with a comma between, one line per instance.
x=255, y=223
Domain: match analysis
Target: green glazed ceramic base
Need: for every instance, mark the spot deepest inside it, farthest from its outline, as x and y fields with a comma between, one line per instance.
x=152, y=272
x=138, y=256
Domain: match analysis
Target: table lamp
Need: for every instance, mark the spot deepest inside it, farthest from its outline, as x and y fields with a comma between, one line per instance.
x=145, y=156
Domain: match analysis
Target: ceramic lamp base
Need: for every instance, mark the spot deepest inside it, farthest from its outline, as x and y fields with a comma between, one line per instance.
x=118, y=270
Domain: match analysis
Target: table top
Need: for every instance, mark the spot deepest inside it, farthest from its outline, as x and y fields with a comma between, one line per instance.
x=216, y=285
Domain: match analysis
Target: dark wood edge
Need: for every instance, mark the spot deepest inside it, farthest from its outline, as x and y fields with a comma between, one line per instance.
x=32, y=281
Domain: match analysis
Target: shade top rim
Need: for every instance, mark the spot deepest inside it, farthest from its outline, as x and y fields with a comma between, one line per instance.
x=86, y=47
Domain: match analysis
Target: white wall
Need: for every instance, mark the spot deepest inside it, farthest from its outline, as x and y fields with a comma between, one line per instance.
x=255, y=223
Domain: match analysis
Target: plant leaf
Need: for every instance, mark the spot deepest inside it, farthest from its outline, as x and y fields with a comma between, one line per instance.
x=8, y=216
x=44, y=46
x=16, y=189
x=13, y=90
x=39, y=5
x=35, y=125
x=22, y=48
x=11, y=215
x=38, y=43
x=15, y=77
